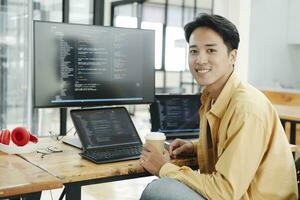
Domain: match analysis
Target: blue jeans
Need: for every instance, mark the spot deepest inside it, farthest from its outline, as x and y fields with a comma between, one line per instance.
x=169, y=189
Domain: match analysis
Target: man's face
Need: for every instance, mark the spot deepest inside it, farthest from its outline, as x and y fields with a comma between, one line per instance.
x=209, y=60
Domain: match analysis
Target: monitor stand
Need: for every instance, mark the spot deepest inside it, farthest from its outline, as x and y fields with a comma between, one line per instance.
x=63, y=121
x=73, y=141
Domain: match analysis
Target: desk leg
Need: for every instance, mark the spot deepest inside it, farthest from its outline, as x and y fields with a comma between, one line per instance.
x=73, y=191
x=283, y=123
x=293, y=133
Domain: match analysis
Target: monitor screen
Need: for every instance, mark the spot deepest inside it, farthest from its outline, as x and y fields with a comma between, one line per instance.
x=88, y=65
x=170, y=113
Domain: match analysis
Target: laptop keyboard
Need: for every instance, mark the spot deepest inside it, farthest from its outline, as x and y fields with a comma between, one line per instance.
x=113, y=154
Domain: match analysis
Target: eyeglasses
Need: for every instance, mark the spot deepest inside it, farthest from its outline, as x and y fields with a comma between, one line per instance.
x=48, y=150
x=55, y=136
x=59, y=137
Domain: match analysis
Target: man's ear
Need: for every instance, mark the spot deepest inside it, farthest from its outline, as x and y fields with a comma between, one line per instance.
x=232, y=56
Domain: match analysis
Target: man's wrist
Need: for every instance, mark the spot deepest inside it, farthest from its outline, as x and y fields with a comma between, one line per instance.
x=166, y=168
x=195, y=145
x=165, y=162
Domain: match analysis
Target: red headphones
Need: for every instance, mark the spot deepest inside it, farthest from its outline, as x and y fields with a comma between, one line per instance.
x=20, y=136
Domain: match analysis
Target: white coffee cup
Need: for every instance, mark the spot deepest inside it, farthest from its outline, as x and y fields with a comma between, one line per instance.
x=156, y=139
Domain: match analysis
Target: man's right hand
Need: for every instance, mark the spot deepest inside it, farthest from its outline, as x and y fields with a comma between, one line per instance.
x=180, y=146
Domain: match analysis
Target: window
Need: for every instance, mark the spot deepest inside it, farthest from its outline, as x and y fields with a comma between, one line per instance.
x=125, y=16
x=158, y=27
x=175, y=49
x=81, y=11
x=47, y=10
x=153, y=19
x=14, y=63
x=126, y=22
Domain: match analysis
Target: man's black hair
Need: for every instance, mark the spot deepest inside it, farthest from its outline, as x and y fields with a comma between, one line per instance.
x=219, y=24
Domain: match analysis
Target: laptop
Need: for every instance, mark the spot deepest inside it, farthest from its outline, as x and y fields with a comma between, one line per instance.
x=73, y=141
x=106, y=134
x=176, y=115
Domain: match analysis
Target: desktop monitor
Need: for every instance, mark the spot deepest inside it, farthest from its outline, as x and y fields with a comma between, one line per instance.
x=88, y=65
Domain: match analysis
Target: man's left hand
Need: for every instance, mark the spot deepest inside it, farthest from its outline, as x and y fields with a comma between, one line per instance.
x=152, y=160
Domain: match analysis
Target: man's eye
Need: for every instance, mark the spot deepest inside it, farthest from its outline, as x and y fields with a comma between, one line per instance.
x=192, y=51
x=211, y=50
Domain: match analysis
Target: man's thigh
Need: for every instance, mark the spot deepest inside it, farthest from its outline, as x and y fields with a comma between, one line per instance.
x=169, y=189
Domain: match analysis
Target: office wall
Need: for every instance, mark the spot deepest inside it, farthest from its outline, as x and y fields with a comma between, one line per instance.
x=273, y=63
x=238, y=12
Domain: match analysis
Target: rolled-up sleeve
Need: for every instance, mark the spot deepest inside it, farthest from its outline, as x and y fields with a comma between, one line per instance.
x=237, y=163
x=195, y=145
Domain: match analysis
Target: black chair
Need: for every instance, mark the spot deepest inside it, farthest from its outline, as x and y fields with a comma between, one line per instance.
x=298, y=174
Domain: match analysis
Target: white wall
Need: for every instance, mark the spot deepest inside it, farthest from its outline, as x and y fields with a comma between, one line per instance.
x=293, y=23
x=273, y=63
x=238, y=12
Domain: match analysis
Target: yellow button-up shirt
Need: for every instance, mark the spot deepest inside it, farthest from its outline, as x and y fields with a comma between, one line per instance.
x=249, y=157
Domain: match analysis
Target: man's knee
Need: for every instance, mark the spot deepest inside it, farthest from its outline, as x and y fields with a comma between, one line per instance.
x=167, y=188
x=154, y=189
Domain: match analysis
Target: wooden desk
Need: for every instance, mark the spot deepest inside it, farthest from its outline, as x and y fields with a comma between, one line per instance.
x=20, y=178
x=75, y=172
x=289, y=114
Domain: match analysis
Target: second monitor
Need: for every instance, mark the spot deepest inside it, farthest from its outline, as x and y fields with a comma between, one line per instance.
x=176, y=115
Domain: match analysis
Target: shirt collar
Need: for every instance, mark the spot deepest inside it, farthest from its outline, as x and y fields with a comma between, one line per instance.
x=219, y=107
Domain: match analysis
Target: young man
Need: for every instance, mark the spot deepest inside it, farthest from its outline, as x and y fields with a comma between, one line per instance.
x=242, y=152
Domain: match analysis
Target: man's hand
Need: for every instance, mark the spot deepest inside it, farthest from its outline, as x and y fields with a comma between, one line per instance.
x=152, y=160
x=180, y=146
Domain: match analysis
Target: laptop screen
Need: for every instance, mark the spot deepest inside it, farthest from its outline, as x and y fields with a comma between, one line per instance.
x=104, y=127
x=175, y=113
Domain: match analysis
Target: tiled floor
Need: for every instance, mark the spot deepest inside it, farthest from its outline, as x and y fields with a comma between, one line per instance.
x=120, y=190
x=125, y=190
